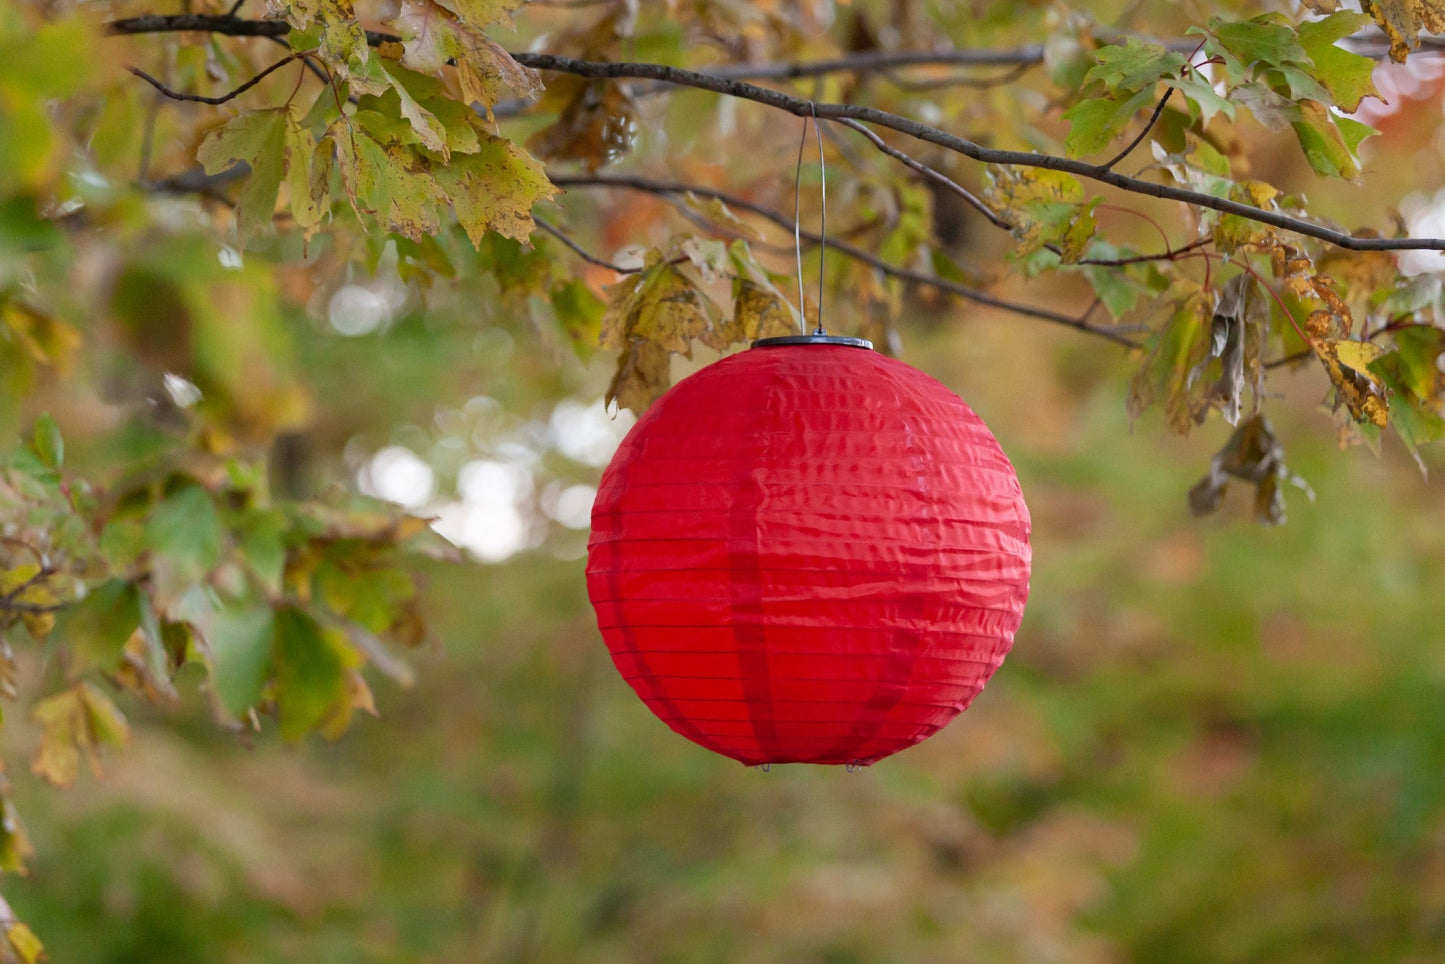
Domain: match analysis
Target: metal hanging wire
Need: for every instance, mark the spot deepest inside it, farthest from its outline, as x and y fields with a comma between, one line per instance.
x=798, y=217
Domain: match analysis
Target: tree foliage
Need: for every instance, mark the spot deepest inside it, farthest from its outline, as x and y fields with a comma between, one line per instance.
x=177, y=202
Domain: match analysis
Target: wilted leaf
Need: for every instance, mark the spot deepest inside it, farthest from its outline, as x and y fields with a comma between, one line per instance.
x=75, y=722
x=1227, y=344
x=390, y=182
x=714, y=210
x=1348, y=364
x=1402, y=21
x=595, y=126
x=432, y=34
x=760, y=312
x=643, y=374
x=1252, y=454
x=1178, y=348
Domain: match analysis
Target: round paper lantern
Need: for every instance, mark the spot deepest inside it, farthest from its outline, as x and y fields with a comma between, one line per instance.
x=808, y=552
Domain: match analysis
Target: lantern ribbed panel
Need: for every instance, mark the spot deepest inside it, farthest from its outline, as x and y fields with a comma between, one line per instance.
x=810, y=553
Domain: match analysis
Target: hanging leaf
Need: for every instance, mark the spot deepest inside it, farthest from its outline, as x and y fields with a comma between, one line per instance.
x=74, y=723
x=1254, y=455
x=1178, y=348
x=311, y=671
x=258, y=139
x=1227, y=344
x=240, y=643
x=1402, y=21
x=186, y=538
x=1362, y=391
x=595, y=125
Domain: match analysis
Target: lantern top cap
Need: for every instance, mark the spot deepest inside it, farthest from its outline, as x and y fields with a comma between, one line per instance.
x=813, y=339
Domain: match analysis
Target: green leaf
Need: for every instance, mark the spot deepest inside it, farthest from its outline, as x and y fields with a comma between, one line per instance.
x=390, y=182
x=1182, y=344
x=186, y=538
x=1267, y=39
x=311, y=672
x=1202, y=96
x=1348, y=76
x=1135, y=66
x=48, y=444
x=1324, y=143
x=240, y=643
x=1097, y=121
x=259, y=140
x=579, y=314
x=96, y=627
x=262, y=547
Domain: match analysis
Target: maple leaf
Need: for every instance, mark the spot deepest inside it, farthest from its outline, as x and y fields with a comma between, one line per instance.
x=494, y=188
x=1402, y=21
x=1362, y=391
x=257, y=139
x=435, y=33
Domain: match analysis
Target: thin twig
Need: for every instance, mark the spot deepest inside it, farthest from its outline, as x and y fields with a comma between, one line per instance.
x=993, y=217
x=664, y=188
x=223, y=98
x=580, y=251
x=1139, y=137
x=938, y=177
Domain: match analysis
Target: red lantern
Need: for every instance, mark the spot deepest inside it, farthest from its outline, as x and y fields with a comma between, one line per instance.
x=808, y=552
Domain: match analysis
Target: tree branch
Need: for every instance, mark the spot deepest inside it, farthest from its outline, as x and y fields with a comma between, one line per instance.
x=213, y=101
x=649, y=186
x=869, y=115
x=720, y=83
x=580, y=251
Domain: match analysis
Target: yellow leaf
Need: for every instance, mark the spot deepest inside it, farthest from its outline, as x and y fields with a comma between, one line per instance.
x=24, y=943
x=1402, y=21
x=1348, y=363
x=58, y=759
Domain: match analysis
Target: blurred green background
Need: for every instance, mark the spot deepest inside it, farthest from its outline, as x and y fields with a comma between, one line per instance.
x=1212, y=742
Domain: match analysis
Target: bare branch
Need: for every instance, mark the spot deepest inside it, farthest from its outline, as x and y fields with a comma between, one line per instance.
x=223, y=98
x=938, y=177
x=646, y=185
x=1139, y=137
x=580, y=251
